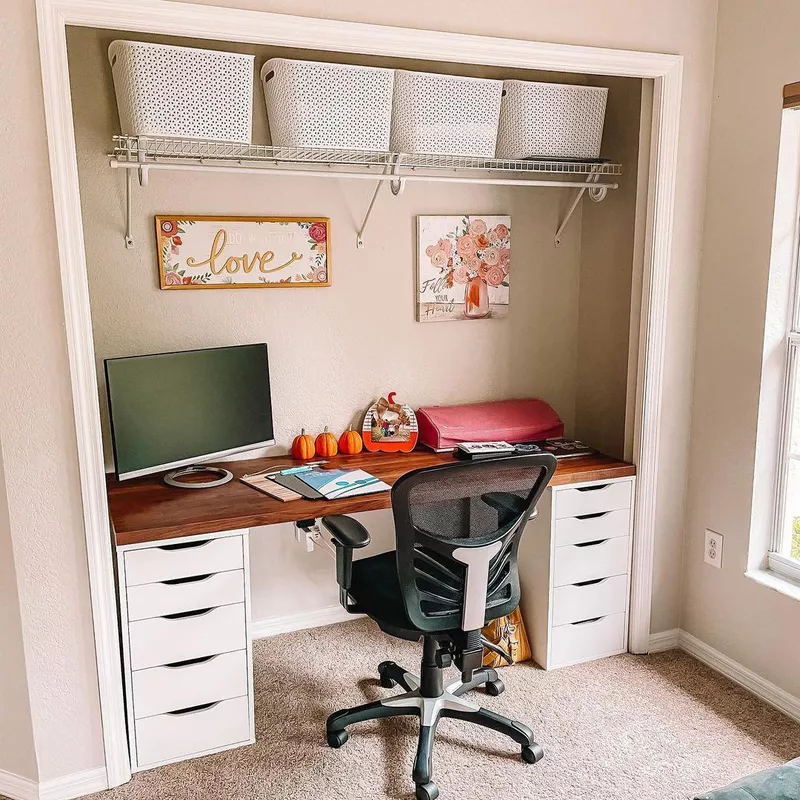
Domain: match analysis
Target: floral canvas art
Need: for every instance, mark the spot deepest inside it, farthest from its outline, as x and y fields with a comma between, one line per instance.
x=463, y=267
x=237, y=252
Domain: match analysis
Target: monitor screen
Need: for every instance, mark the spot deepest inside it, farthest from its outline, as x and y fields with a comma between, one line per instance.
x=172, y=409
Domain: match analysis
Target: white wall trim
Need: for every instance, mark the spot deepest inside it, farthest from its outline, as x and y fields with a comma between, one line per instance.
x=755, y=684
x=666, y=640
x=18, y=788
x=760, y=687
x=299, y=622
x=76, y=785
x=238, y=25
x=65, y=788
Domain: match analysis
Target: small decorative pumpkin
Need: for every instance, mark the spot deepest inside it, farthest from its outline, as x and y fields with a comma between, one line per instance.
x=303, y=446
x=350, y=442
x=326, y=444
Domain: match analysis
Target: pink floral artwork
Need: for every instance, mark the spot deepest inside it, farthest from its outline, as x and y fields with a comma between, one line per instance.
x=463, y=266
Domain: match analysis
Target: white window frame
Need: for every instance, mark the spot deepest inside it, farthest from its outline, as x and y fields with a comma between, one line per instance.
x=778, y=558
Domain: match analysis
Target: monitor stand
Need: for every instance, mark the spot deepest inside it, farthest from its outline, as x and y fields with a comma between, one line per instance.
x=172, y=478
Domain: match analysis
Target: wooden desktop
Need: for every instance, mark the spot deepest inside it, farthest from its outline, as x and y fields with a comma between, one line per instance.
x=147, y=510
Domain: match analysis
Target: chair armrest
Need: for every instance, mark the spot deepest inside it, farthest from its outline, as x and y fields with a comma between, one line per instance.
x=347, y=531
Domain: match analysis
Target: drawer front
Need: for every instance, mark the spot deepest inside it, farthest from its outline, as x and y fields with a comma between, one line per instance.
x=165, y=640
x=185, y=594
x=576, y=563
x=575, y=603
x=593, y=499
x=161, y=689
x=178, y=735
x=587, y=640
x=592, y=527
x=183, y=559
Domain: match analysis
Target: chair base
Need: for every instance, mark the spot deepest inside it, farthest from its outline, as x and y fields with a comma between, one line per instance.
x=447, y=702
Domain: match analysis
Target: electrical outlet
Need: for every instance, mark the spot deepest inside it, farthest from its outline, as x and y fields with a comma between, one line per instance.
x=713, y=552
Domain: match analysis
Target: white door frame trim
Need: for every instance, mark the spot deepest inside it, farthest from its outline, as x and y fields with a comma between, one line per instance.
x=185, y=19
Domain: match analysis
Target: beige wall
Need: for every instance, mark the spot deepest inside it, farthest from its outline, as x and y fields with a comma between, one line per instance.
x=17, y=753
x=756, y=55
x=611, y=264
x=38, y=432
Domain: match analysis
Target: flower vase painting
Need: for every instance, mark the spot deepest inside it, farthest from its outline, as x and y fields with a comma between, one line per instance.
x=463, y=267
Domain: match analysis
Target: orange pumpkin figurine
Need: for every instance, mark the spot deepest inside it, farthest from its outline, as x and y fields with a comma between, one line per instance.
x=350, y=442
x=303, y=446
x=326, y=444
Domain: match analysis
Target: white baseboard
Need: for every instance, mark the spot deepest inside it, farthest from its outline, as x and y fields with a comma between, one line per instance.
x=666, y=640
x=76, y=785
x=260, y=629
x=18, y=788
x=755, y=684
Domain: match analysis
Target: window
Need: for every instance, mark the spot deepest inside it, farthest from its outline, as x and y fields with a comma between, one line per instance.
x=786, y=540
x=783, y=331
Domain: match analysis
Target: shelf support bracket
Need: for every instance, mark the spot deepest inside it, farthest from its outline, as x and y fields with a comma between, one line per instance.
x=128, y=231
x=396, y=187
x=596, y=194
x=360, y=234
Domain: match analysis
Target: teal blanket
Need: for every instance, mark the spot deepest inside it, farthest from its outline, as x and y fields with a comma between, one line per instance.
x=780, y=783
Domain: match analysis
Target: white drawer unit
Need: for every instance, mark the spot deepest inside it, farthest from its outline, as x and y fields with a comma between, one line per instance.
x=192, y=732
x=185, y=594
x=592, y=527
x=187, y=657
x=193, y=634
x=596, y=598
x=182, y=559
x=594, y=498
x=574, y=566
x=576, y=563
x=587, y=640
x=189, y=683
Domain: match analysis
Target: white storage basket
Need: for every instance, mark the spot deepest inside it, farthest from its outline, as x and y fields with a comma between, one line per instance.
x=550, y=120
x=445, y=114
x=316, y=104
x=182, y=91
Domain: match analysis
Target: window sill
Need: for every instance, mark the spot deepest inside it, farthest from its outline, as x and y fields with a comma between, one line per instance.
x=776, y=582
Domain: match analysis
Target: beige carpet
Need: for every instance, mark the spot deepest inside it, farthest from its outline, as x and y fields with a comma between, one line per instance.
x=660, y=727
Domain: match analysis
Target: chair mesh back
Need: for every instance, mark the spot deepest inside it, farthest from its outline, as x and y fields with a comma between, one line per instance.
x=451, y=506
x=463, y=505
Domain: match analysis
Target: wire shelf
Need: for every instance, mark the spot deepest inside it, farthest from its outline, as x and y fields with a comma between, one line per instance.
x=149, y=150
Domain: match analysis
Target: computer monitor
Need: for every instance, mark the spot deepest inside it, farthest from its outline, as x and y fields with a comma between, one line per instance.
x=175, y=409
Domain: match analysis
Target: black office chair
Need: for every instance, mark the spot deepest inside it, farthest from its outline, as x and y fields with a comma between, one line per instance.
x=457, y=529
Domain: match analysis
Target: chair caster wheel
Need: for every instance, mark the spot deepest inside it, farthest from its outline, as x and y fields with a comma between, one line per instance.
x=427, y=791
x=533, y=753
x=386, y=682
x=337, y=738
x=494, y=688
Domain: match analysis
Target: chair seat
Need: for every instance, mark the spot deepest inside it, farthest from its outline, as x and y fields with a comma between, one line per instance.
x=375, y=588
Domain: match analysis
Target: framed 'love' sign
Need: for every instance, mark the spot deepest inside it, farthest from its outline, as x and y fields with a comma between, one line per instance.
x=242, y=252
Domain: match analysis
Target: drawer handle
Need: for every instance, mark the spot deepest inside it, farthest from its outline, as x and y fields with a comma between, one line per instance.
x=191, y=579
x=193, y=709
x=591, y=583
x=190, y=662
x=588, y=621
x=591, y=544
x=185, y=545
x=592, y=516
x=592, y=488
x=201, y=612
